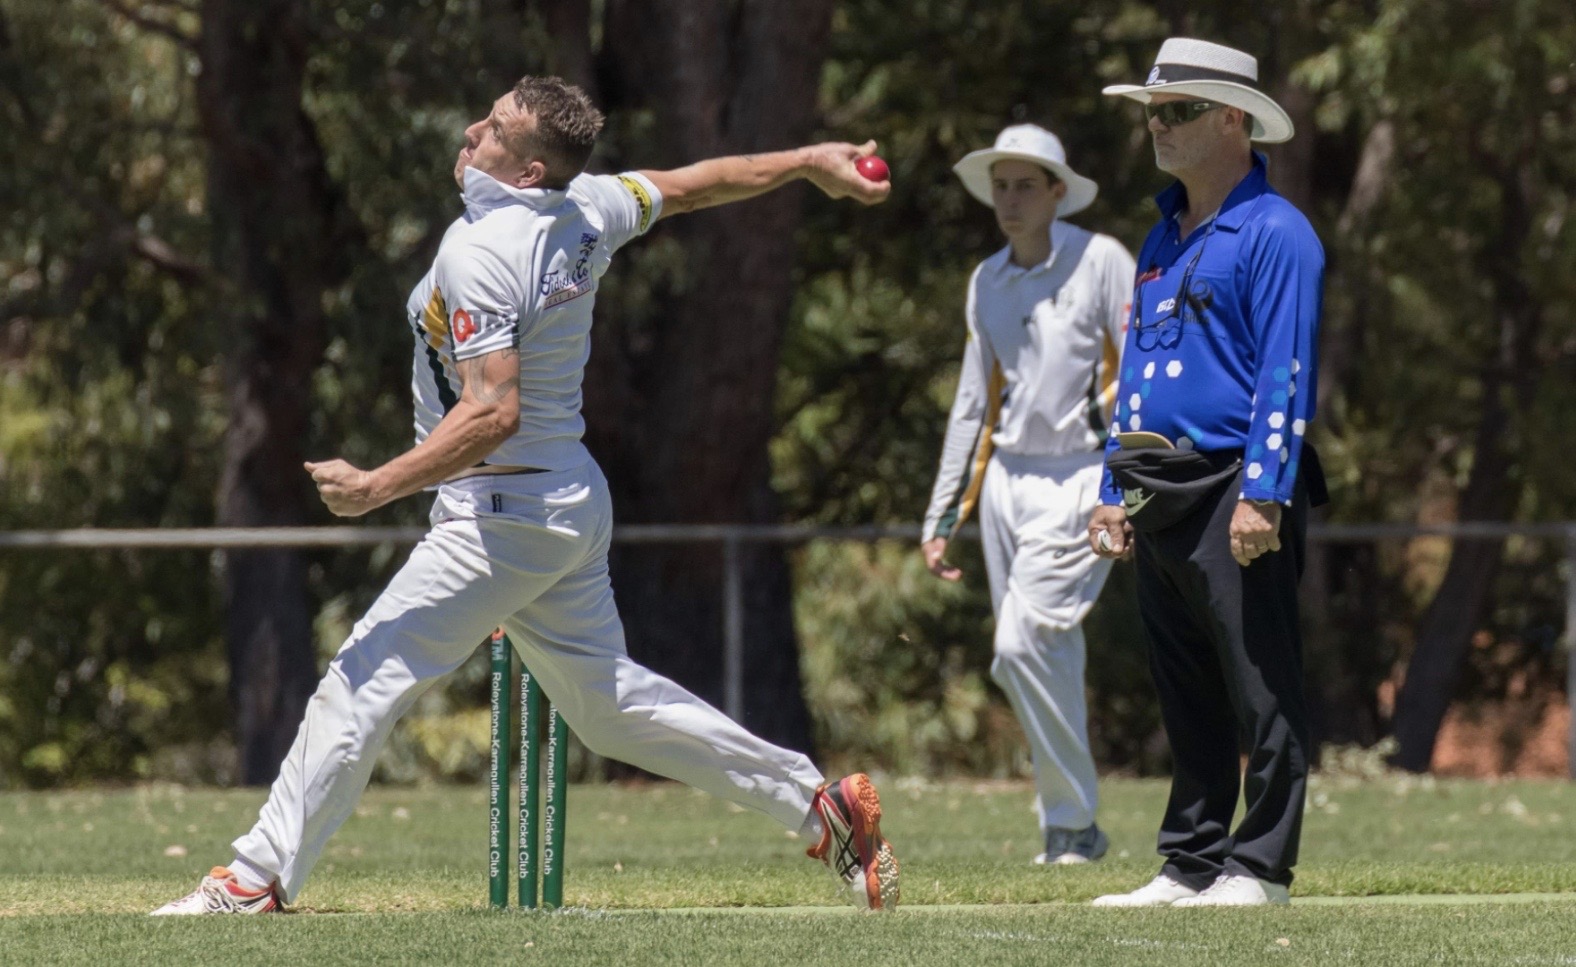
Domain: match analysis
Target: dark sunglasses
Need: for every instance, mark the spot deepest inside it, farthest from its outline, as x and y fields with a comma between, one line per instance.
x=1173, y=113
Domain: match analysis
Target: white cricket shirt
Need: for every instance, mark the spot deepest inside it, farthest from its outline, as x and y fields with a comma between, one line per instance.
x=520, y=269
x=1039, y=364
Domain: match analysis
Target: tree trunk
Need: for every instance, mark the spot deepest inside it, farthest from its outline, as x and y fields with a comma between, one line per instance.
x=1345, y=670
x=1346, y=652
x=280, y=235
x=1445, y=632
x=680, y=391
x=1458, y=607
x=1344, y=663
x=569, y=23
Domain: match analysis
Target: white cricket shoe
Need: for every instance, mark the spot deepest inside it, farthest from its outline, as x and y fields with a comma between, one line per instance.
x=1162, y=891
x=1072, y=847
x=1238, y=891
x=220, y=892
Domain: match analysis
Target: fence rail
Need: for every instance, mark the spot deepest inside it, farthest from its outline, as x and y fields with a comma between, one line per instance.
x=732, y=537
x=230, y=537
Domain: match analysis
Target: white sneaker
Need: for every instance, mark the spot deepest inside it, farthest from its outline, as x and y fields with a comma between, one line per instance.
x=219, y=892
x=1162, y=891
x=1238, y=891
x=1071, y=847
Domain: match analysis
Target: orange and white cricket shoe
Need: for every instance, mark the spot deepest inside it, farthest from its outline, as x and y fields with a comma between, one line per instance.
x=220, y=892
x=852, y=846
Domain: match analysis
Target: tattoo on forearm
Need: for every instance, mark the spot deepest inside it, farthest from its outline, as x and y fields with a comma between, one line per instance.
x=490, y=378
x=690, y=203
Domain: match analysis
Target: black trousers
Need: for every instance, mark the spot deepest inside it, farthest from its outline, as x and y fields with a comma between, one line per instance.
x=1226, y=654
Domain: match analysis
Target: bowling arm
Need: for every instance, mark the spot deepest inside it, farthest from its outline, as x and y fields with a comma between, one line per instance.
x=719, y=181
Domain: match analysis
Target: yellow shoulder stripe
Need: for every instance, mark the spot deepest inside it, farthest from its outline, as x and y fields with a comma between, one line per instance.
x=435, y=319
x=993, y=393
x=642, y=198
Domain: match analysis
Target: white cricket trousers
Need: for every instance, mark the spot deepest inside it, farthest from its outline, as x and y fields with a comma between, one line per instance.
x=1044, y=578
x=527, y=552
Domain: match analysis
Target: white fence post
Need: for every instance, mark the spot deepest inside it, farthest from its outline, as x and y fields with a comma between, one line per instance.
x=732, y=630
x=1570, y=645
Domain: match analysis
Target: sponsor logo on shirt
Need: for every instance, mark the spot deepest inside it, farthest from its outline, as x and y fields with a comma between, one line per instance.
x=582, y=270
x=464, y=326
x=642, y=199
x=559, y=286
x=568, y=295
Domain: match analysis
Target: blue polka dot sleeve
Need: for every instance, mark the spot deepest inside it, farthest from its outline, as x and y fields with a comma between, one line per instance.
x=1286, y=286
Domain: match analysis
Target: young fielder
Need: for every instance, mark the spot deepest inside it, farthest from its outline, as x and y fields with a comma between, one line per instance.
x=522, y=517
x=1045, y=321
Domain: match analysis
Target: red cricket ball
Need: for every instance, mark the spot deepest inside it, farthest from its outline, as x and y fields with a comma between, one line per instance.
x=873, y=168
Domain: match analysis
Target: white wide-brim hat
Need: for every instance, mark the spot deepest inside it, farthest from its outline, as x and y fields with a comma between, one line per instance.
x=1214, y=73
x=1034, y=144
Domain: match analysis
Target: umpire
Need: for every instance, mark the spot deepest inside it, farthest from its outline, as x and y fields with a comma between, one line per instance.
x=1211, y=471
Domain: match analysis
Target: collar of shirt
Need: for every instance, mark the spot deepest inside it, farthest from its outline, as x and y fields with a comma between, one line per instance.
x=1005, y=268
x=483, y=193
x=1238, y=204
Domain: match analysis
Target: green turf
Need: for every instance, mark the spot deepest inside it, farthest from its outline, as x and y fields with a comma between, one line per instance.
x=79, y=868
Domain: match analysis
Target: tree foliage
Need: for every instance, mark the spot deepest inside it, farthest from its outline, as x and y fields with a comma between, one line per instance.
x=1434, y=156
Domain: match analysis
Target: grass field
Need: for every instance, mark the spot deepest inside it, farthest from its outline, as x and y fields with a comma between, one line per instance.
x=1394, y=871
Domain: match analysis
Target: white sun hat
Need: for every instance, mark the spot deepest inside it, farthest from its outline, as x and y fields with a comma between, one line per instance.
x=1214, y=73
x=1032, y=143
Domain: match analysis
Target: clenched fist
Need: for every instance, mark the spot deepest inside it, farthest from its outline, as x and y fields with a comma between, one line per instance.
x=346, y=490
x=1109, y=532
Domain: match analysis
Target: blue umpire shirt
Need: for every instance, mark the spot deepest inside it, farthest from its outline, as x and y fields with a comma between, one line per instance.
x=1221, y=346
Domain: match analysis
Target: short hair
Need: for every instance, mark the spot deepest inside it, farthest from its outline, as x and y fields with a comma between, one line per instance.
x=567, y=125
